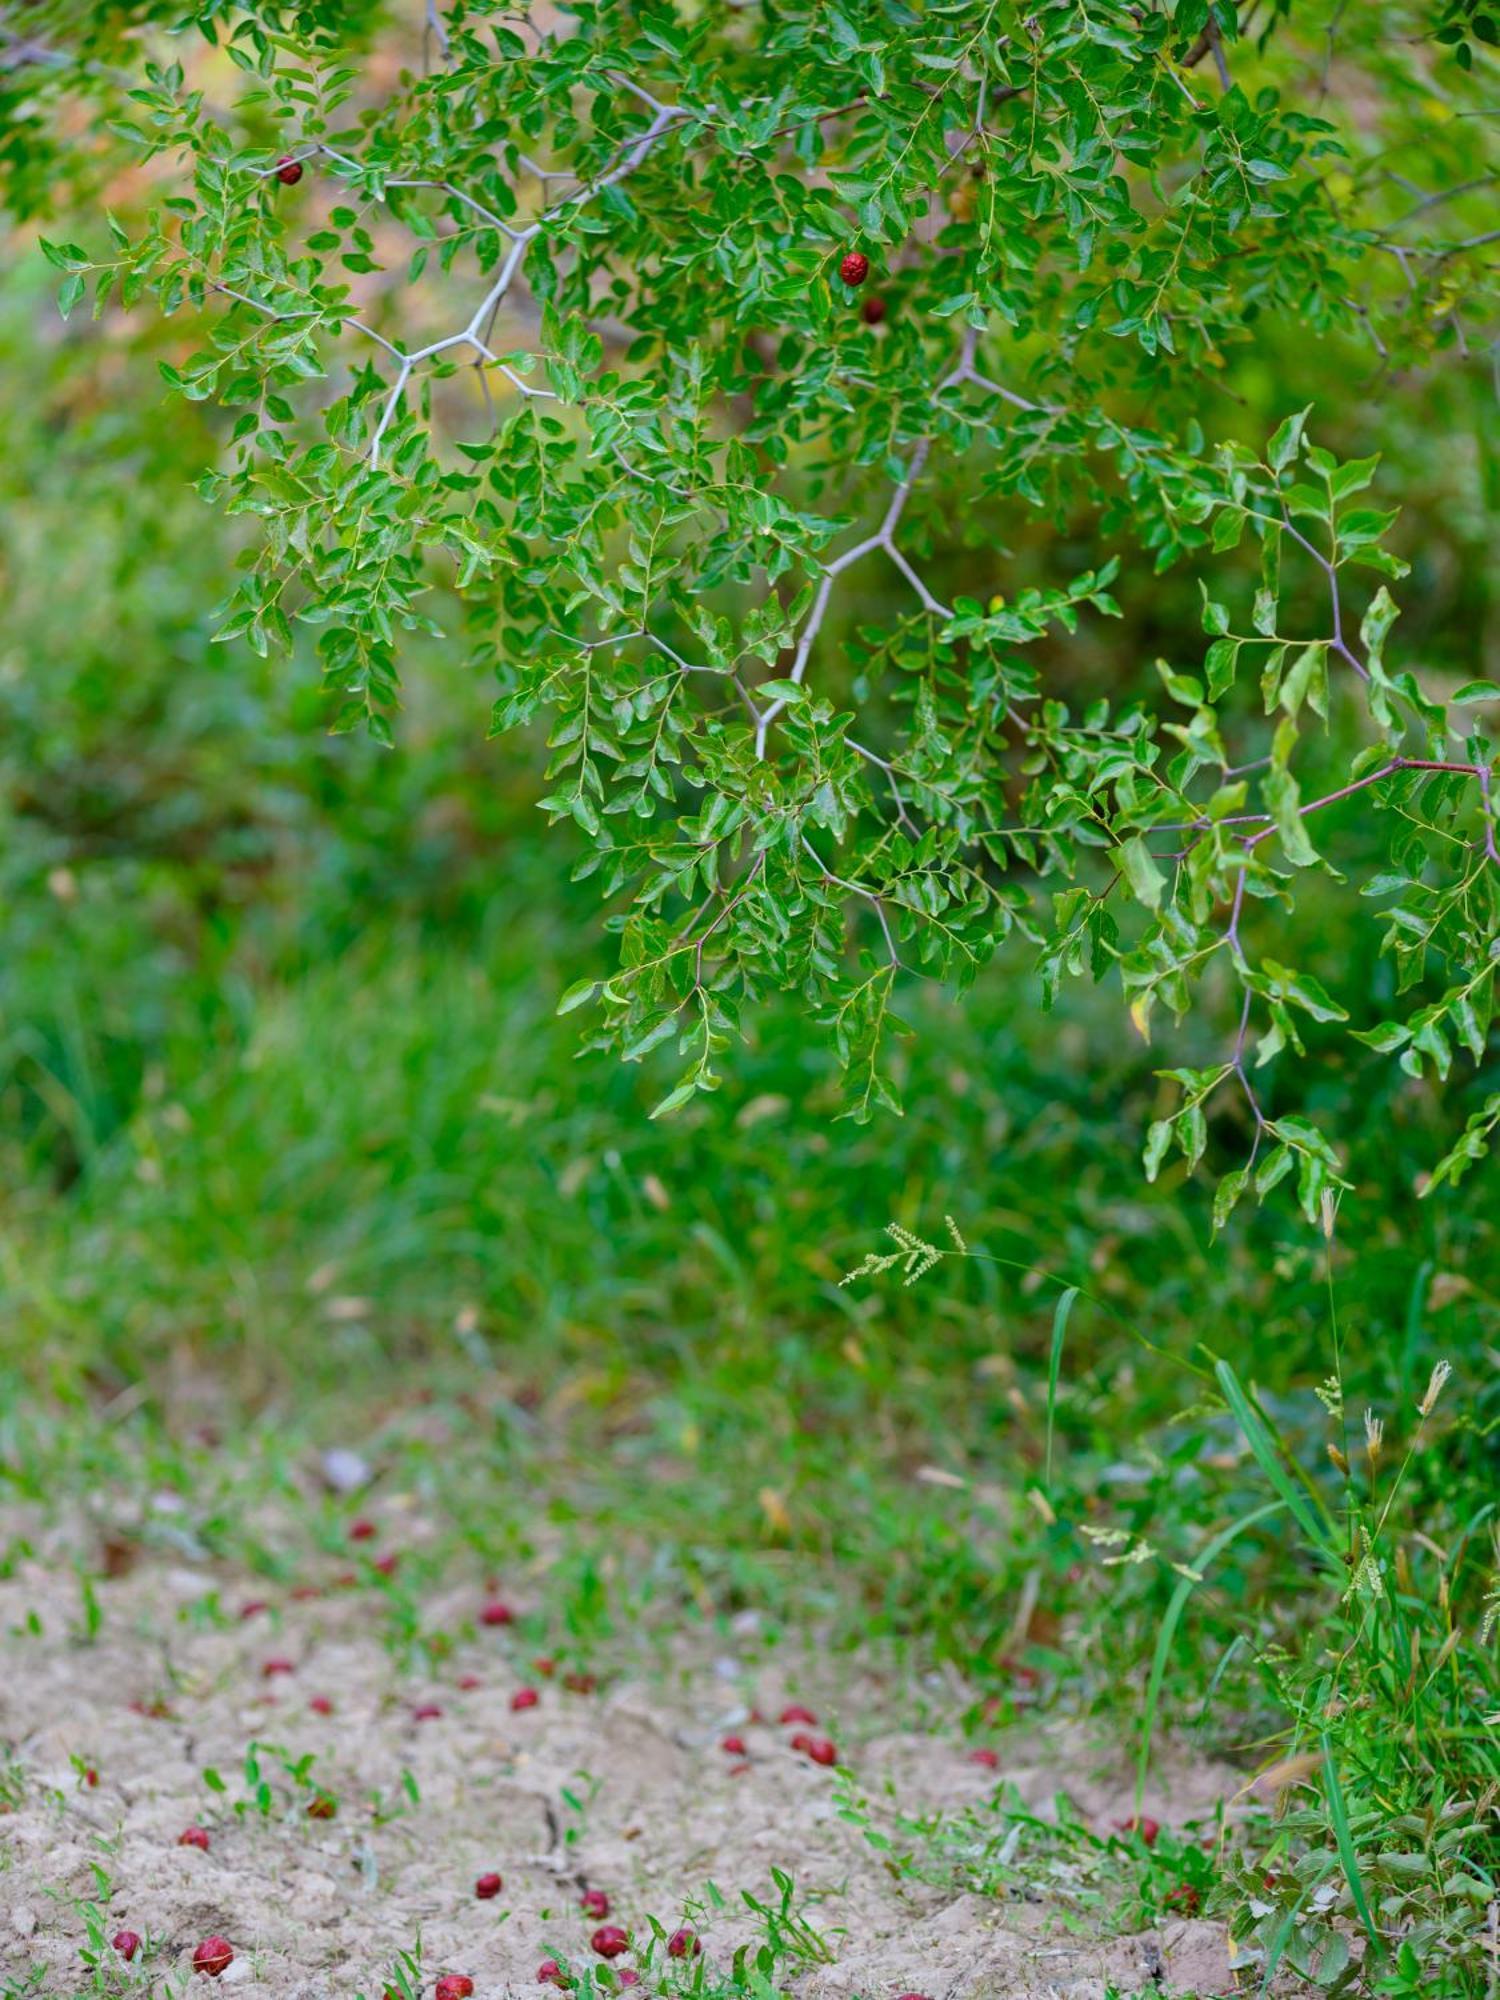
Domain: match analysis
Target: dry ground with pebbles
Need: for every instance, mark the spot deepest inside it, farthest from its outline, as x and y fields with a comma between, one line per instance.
x=316, y=1909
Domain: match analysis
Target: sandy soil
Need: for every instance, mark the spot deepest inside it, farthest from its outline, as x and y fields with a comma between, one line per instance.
x=316, y=1908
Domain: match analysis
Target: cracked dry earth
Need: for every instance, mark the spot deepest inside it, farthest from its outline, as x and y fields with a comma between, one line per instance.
x=319, y=1908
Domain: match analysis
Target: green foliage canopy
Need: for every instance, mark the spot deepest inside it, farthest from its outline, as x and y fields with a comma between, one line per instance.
x=558, y=313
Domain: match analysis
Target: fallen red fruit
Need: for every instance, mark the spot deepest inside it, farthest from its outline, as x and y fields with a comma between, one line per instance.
x=1146, y=1827
x=819, y=1748
x=550, y=1973
x=213, y=1956
x=524, y=1698
x=126, y=1943
x=683, y=1944
x=1184, y=1897
x=254, y=1607
x=488, y=1887
x=274, y=1667
x=453, y=1986
x=321, y=1705
x=289, y=172
x=362, y=1530
x=468, y=1682
x=386, y=1565
x=545, y=1667
x=322, y=1807
x=911, y=1996
x=854, y=267
x=429, y=1711
x=497, y=1613
x=625, y=1977
x=304, y=1591
x=734, y=1746
x=594, y=1903
x=609, y=1941
x=797, y=1714
x=988, y=1759
x=738, y=1770
x=91, y=1777
x=194, y=1836
x=580, y=1683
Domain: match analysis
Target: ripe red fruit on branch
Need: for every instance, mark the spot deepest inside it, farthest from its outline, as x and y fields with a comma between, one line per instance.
x=194, y=1836
x=594, y=1904
x=609, y=1941
x=854, y=267
x=872, y=312
x=683, y=1944
x=550, y=1973
x=497, y=1613
x=488, y=1887
x=798, y=1714
x=524, y=1698
x=289, y=172
x=453, y=1986
x=213, y=1956
x=126, y=1943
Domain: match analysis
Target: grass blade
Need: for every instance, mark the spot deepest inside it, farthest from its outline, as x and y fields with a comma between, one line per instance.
x=1338, y=1813
x=1054, y=1367
x=1268, y=1458
x=1168, y=1631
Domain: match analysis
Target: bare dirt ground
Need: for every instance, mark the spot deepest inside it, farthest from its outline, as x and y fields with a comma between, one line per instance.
x=624, y=1789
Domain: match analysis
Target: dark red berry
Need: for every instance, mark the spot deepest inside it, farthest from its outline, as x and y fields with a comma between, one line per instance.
x=595, y=1904
x=289, y=172
x=854, y=267
x=550, y=1973
x=213, y=1956
x=734, y=1746
x=609, y=1941
x=819, y=1749
x=683, y=1944
x=872, y=312
x=193, y=1836
x=126, y=1943
x=798, y=1714
x=524, y=1698
x=496, y=1612
x=488, y=1887
x=453, y=1986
